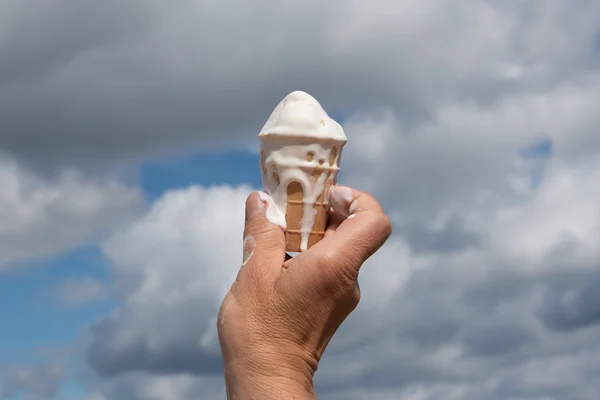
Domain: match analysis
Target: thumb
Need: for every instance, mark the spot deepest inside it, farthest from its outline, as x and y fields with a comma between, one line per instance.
x=264, y=240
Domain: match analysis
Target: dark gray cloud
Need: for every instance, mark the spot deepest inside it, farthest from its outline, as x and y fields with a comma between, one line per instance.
x=572, y=302
x=494, y=337
x=181, y=353
x=477, y=351
x=435, y=313
x=452, y=236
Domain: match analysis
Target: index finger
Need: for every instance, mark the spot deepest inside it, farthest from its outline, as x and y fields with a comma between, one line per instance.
x=365, y=229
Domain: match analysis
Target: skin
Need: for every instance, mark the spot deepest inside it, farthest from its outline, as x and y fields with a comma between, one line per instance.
x=281, y=312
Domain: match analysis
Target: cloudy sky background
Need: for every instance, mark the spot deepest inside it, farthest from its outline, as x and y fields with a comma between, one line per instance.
x=128, y=145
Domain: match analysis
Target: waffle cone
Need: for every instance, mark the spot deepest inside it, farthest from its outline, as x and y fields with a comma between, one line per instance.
x=295, y=213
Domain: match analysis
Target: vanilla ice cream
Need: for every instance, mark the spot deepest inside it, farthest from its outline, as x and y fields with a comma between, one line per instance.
x=300, y=153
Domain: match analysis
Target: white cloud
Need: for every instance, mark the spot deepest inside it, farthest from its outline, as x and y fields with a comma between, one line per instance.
x=41, y=217
x=172, y=269
x=565, y=209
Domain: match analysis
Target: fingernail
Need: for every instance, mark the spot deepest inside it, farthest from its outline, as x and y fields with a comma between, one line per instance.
x=354, y=207
x=254, y=205
x=273, y=213
x=340, y=198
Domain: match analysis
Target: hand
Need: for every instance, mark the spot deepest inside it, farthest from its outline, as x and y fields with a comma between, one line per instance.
x=281, y=312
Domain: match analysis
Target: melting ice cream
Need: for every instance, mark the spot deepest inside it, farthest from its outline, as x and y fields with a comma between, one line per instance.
x=300, y=156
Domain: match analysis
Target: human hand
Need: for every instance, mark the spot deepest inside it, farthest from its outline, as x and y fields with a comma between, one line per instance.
x=281, y=312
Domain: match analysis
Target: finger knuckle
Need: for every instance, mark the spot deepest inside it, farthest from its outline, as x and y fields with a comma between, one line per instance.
x=354, y=297
x=328, y=258
x=343, y=273
x=347, y=275
x=385, y=225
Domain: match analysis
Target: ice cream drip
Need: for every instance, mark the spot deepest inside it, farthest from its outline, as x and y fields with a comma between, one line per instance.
x=300, y=153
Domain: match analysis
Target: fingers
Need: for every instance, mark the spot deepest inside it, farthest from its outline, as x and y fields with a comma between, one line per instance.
x=335, y=220
x=340, y=199
x=330, y=268
x=264, y=241
x=365, y=229
x=351, y=240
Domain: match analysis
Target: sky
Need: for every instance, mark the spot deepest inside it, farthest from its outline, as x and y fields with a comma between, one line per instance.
x=128, y=145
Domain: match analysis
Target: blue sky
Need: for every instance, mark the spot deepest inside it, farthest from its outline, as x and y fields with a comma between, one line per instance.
x=35, y=323
x=34, y=315
x=234, y=168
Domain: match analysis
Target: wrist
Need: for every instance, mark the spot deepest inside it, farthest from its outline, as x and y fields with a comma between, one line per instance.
x=240, y=387
x=269, y=378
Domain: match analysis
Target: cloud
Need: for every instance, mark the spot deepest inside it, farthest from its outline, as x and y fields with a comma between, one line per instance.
x=43, y=217
x=572, y=304
x=172, y=269
x=474, y=124
x=174, y=387
x=36, y=383
x=91, y=82
x=476, y=322
x=468, y=154
x=77, y=291
x=440, y=314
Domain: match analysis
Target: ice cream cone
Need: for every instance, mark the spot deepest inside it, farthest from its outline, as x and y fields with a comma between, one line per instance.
x=300, y=155
x=295, y=214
